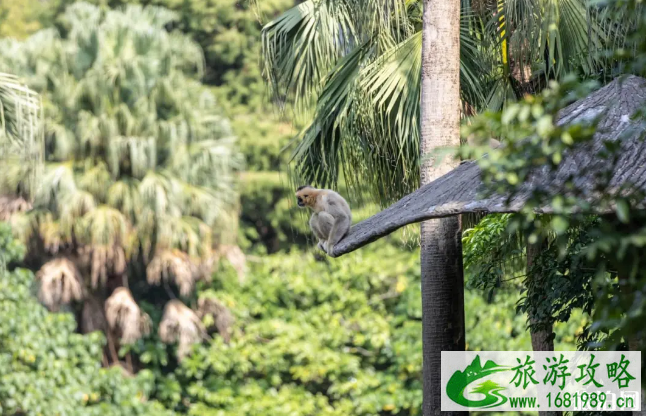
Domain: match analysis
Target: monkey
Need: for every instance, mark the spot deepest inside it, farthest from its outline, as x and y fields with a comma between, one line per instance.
x=331, y=217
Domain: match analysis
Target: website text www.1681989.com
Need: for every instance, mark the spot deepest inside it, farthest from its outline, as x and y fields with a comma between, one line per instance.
x=580, y=401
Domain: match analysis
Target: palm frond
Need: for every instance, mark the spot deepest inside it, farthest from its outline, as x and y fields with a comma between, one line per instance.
x=175, y=266
x=156, y=192
x=105, y=233
x=123, y=315
x=319, y=154
x=124, y=195
x=21, y=128
x=188, y=234
x=367, y=120
x=73, y=206
x=180, y=324
x=20, y=119
x=103, y=226
x=96, y=180
x=50, y=233
x=104, y=261
x=302, y=44
x=365, y=126
x=57, y=183
x=139, y=154
x=60, y=283
x=392, y=87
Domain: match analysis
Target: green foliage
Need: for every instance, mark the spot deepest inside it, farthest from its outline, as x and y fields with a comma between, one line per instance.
x=269, y=216
x=140, y=159
x=556, y=291
x=48, y=369
x=565, y=278
x=11, y=249
x=21, y=130
x=140, y=175
x=326, y=337
x=229, y=33
x=491, y=254
x=359, y=61
x=262, y=141
x=21, y=18
x=20, y=119
x=491, y=324
x=595, y=264
x=313, y=337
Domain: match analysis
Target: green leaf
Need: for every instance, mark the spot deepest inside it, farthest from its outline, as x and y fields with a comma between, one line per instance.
x=623, y=210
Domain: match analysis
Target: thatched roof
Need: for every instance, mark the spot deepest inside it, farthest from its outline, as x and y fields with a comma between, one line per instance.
x=458, y=191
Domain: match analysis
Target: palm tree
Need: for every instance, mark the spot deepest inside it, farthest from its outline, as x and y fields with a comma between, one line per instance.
x=138, y=187
x=358, y=64
x=441, y=241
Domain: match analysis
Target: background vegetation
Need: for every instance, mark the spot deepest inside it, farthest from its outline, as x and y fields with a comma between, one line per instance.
x=136, y=93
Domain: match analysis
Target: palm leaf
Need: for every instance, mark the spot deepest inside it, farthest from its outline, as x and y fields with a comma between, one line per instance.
x=60, y=283
x=21, y=133
x=367, y=119
x=180, y=324
x=172, y=266
x=123, y=315
x=302, y=44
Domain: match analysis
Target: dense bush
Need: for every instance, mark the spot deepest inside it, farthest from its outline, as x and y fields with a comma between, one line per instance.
x=48, y=369
x=322, y=337
x=311, y=337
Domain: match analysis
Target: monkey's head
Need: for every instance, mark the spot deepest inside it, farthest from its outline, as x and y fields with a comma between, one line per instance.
x=306, y=196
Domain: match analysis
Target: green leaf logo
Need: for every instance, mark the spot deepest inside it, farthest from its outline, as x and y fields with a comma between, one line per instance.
x=491, y=390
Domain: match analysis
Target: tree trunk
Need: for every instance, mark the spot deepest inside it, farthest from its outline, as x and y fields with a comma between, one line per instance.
x=441, y=248
x=542, y=339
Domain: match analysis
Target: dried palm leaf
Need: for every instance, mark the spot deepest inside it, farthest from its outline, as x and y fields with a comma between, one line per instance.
x=125, y=317
x=173, y=264
x=180, y=324
x=60, y=283
x=103, y=261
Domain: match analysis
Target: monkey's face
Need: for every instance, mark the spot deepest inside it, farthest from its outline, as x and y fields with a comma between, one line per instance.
x=306, y=197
